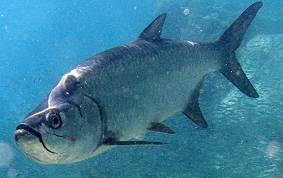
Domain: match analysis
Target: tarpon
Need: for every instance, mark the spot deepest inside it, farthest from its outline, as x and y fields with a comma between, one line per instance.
x=123, y=92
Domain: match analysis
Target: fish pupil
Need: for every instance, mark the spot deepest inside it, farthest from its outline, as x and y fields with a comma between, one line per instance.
x=54, y=120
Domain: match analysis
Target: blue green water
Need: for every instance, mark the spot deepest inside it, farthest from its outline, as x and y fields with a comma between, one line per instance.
x=41, y=40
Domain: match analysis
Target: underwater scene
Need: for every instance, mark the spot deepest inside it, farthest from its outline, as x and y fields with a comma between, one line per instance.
x=42, y=40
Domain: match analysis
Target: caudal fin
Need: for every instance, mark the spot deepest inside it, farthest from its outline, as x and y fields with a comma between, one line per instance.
x=229, y=42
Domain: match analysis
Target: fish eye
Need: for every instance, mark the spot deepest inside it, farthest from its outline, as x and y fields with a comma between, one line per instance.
x=54, y=119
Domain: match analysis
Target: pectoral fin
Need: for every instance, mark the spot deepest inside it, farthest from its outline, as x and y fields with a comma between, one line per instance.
x=192, y=109
x=132, y=143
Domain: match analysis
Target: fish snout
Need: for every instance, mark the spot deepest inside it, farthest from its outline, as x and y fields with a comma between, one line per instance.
x=26, y=132
x=28, y=140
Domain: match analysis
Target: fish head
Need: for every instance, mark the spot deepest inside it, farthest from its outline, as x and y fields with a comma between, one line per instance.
x=67, y=131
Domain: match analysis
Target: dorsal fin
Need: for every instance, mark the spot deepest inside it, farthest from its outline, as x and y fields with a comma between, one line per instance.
x=153, y=31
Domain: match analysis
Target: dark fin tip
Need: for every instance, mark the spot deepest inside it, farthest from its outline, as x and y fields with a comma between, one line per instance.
x=192, y=110
x=235, y=33
x=235, y=74
x=154, y=30
x=159, y=127
x=196, y=117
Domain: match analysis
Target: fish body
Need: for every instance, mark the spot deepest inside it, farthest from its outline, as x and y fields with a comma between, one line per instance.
x=121, y=93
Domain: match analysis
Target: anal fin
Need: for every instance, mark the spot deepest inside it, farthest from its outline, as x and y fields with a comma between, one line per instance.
x=192, y=110
x=159, y=127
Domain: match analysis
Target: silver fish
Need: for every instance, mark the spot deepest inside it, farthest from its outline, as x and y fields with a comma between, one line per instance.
x=123, y=92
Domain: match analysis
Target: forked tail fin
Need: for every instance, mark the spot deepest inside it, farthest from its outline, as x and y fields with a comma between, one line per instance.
x=229, y=42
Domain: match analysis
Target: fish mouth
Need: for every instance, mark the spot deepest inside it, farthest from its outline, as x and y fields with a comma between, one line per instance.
x=25, y=133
